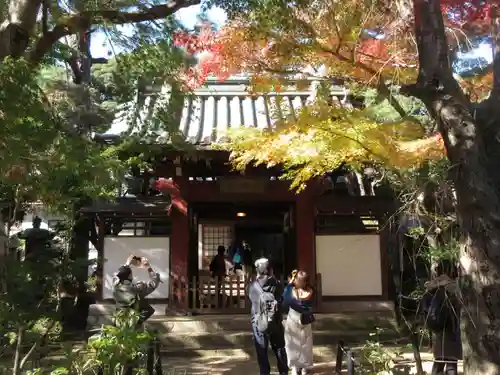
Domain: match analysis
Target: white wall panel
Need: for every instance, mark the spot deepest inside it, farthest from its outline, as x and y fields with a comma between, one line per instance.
x=156, y=249
x=350, y=265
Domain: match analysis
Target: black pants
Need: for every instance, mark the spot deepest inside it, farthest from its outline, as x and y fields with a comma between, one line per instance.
x=276, y=338
x=438, y=368
x=145, y=311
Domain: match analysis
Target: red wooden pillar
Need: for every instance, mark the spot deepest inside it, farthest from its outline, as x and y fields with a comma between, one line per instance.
x=179, y=239
x=305, y=232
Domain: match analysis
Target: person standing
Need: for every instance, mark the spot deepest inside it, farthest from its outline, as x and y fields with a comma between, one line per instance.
x=247, y=260
x=297, y=297
x=265, y=294
x=237, y=258
x=218, y=270
x=442, y=318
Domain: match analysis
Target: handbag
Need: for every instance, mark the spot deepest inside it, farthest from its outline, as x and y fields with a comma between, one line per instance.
x=306, y=319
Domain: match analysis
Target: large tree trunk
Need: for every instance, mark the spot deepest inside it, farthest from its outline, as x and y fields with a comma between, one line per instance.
x=16, y=30
x=479, y=219
x=478, y=197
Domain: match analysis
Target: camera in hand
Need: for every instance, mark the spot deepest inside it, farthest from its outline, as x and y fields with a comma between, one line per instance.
x=138, y=261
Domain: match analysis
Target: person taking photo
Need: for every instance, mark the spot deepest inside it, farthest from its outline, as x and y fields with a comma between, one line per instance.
x=130, y=295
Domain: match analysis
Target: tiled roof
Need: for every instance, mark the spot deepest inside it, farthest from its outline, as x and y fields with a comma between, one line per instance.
x=210, y=111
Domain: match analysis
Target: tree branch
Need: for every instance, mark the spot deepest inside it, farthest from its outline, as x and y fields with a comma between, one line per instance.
x=435, y=70
x=495, y=31
x=83, y=20
x=16, y=29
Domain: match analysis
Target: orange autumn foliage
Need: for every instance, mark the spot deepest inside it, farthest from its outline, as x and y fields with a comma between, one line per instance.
x=352, y=42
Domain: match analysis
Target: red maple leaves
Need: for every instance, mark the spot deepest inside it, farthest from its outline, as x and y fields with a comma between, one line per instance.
x=206, y=47
x=169, y=187
x=461, y=13
x=395, y=50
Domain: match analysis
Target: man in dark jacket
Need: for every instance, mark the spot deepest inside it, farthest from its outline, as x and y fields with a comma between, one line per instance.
x=218, y=264
x=275, y=334
x=130, y=295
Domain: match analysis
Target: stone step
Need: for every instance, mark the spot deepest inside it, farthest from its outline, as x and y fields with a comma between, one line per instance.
x=206, y=324
x=188, y=345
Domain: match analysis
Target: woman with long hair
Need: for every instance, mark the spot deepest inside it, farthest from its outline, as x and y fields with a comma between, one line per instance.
x=297, y=297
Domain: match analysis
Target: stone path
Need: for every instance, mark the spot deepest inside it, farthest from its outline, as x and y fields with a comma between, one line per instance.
x=240, y=362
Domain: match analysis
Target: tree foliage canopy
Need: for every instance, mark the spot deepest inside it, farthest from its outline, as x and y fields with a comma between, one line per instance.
x=47, y=149
x=361, y=45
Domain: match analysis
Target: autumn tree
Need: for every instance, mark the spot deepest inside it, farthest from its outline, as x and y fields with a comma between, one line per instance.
x=400, y=49
x=54, y=96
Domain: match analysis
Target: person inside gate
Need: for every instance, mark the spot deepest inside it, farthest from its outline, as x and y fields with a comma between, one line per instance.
x=242, y=259
x=130, y=295
x=297, y=297
x=219, y=270
x=247, y=259
x=218, y=265
x=265, y=294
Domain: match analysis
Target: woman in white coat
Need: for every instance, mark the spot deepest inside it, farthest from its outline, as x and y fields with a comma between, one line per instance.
x=298, y=331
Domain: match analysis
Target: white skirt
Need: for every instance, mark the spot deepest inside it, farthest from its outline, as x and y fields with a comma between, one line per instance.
x=298, y=341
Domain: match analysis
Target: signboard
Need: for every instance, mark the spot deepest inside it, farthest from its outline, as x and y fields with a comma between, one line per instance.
x=243, y=185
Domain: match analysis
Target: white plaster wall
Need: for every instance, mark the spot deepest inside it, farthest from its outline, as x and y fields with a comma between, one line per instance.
x=350, y=265
x=155, y=249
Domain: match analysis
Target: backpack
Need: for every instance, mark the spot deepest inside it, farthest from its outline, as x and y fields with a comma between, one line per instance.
x=436, y=309
x=267, y=309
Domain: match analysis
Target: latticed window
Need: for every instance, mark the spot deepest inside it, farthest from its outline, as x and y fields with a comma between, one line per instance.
x=212, y=237
x=138, y=228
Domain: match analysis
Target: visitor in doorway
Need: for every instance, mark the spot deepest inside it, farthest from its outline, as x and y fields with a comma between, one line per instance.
x=265, y=294
x=442, y=317
x=130, y=295
x=218, y=267
x=242, y=259
x=247, y=260
x=218, y=270
x=297, y=297
x=237, y=258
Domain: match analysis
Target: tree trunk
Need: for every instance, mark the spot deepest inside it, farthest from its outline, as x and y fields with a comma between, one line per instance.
x=16, y=30
x=479, y=219
x=4, y=240
x=473, y=171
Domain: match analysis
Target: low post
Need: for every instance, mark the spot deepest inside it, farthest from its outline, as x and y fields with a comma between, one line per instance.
x=340, y=357
x=150, y=358
x=350, y=363
x=157, y=352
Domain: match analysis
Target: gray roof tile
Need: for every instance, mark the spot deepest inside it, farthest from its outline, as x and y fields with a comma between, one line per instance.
x=210, y=111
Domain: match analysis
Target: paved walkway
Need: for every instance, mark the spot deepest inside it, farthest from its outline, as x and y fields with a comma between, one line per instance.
x=239, y=362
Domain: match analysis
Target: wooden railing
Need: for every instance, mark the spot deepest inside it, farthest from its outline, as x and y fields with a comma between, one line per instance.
x=205, y=295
